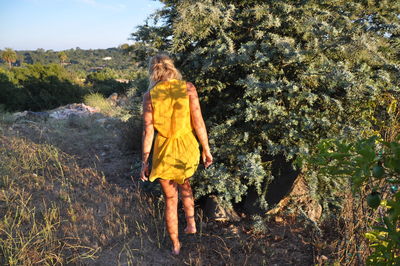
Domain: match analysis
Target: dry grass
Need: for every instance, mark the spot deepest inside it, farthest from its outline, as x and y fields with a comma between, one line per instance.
x=35, y=196
x=105, y=106
x=63, y=202
x=55, y=212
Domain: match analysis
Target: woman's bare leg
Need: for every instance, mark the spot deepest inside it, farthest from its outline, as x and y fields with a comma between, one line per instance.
x=170, y=190
x=188, y=207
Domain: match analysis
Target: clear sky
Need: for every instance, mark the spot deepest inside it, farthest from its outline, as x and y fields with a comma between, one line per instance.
x=65, y=24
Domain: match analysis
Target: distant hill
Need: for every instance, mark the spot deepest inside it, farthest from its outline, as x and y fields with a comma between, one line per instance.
x=78, y=59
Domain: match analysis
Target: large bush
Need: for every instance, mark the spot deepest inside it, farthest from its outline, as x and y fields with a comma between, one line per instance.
x=276, y=77
x=38, y=87
x=105, y=82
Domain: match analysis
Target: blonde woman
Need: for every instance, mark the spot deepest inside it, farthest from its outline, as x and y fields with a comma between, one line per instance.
x=171, y=107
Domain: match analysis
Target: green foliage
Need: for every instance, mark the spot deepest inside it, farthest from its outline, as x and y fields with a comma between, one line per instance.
x=79, y=59
x=38, y=87
x=371, y=164
x=103, y=75
x=104, y=82
x=97, y=100
x=276, y=77
x=62, y=56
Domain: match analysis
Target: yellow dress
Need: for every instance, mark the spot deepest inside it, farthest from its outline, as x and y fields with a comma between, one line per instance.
x=176, y=150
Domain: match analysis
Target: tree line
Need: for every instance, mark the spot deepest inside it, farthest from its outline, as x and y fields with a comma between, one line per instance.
x=48, y=79
x=76, y=59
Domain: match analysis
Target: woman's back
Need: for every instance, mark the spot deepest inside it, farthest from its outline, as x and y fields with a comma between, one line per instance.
x=171, y=110
x=176, y=150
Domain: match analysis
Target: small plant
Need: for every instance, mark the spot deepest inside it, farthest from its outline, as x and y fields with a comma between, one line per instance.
x=106, y=107
x=372, y=165
x=97, y=100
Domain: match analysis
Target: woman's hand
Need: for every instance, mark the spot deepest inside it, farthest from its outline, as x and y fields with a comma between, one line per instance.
x=206, y=157
x=144, y=173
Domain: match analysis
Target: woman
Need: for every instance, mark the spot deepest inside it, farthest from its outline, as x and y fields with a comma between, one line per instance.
x=171, y=107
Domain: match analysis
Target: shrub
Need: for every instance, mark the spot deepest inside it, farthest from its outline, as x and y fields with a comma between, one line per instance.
x=104, y=82
x=276, y=77
x=97, y=100
x=38, y=87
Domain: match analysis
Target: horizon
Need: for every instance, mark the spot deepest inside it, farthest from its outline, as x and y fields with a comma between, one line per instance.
x=60, y=25
x=49, y=50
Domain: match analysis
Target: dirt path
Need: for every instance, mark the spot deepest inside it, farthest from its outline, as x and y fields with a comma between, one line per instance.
x=104, y=148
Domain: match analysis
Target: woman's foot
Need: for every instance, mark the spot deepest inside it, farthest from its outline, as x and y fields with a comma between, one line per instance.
x=190, y=229
x=176, y=249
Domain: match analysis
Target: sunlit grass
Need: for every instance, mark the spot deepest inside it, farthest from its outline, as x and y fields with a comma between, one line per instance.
x=106, y=106
x=31, y=223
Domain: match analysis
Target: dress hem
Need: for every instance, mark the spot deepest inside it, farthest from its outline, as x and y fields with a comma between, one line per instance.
x=170, y=178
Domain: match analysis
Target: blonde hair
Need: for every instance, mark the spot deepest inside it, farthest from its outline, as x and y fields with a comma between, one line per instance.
x=161, y=68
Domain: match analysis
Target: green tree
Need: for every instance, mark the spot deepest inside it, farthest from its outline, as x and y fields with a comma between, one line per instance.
x=275, y=77
x=10, y=56
x=63, y=57
x=124, y=46
x=105, y=82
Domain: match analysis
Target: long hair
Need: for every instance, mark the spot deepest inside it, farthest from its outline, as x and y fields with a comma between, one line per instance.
x=161, y=68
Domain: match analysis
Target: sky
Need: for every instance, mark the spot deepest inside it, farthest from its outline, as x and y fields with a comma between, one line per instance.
x=64, y=24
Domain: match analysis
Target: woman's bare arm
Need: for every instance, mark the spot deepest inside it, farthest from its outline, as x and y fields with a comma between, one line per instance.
x=198, y=123
x=148, y=134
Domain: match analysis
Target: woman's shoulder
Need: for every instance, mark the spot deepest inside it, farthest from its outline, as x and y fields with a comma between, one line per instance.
x=191, y=89
x=146, y=95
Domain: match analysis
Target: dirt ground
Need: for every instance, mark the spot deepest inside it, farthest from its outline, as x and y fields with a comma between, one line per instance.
x=103, y=146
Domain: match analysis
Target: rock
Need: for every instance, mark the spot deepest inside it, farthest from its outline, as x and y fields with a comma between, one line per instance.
x=29, y=115
x=215, y=211
x=122, y=80
x=122, y=101
x=20, y=114
x=74, y=120
x=314, y=211
x=113, y=98
x=78, y=109
x=101, y=121
x=300, y=196
x=63, y=112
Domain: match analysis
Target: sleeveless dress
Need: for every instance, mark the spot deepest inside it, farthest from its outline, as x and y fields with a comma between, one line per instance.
x=176, y=151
